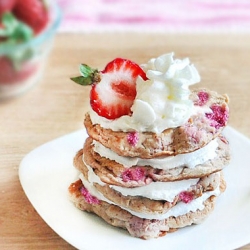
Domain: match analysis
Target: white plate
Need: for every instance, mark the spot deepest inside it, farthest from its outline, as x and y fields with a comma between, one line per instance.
x=46, y=172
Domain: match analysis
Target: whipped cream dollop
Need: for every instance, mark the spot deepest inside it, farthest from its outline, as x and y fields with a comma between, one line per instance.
x=189, y=160
x=162, y=101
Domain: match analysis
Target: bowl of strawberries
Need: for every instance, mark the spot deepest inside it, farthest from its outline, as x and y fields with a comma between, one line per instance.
x=27, y=29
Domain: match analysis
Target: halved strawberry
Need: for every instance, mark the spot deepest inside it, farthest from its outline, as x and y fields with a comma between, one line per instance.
x=113, y=89
x=32, y=12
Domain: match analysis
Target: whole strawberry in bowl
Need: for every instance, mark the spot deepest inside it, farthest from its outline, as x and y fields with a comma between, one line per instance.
x=27, y=29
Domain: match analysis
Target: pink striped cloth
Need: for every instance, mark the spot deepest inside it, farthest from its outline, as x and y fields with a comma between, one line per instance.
x=155, y=15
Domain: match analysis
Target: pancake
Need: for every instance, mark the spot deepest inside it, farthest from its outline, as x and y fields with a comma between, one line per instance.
x=136, y=226
x=111, y=172
x=202, y=127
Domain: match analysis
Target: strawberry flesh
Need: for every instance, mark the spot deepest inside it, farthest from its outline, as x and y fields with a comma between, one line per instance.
x=124, y=89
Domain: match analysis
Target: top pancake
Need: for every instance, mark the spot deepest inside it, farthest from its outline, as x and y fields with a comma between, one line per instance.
x=200, y=129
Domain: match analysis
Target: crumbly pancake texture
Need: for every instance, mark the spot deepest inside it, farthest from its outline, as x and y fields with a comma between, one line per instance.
x=202, y=127
x=113, y=173
x=138, y=227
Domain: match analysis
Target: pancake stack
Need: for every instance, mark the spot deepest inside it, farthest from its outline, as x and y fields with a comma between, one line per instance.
x=150, y=182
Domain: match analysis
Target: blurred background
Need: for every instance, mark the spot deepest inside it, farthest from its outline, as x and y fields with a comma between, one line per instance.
x=156, y=15
x=27, y=27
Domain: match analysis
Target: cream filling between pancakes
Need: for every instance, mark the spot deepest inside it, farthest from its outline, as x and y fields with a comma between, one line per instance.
x=189, y=160
x=179, y=209
x=154, y=190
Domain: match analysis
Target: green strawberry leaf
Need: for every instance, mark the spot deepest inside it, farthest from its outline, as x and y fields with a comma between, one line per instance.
x=14, y=31
x=82, y=80
x=85, y=70
x=88, y=75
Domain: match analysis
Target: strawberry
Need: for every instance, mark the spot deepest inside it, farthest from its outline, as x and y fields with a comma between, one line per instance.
x=113, y=89
x=10, y=75
x=6, y=6
x=32, y=12
x=14, y=31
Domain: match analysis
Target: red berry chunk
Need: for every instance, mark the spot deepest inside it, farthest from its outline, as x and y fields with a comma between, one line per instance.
x=133, y=174
x=133, y=138
x=218, y=117
x=203, y=98
x=88, y=197
x=186, y=196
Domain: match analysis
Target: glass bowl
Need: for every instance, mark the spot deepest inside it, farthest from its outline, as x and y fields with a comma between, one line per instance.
x=21, y=65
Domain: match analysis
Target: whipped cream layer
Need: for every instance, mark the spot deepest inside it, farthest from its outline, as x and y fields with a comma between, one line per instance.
x=162, y=101
x=189, y=160
x=179, y=209
x=158, y=190
x=155, y=190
